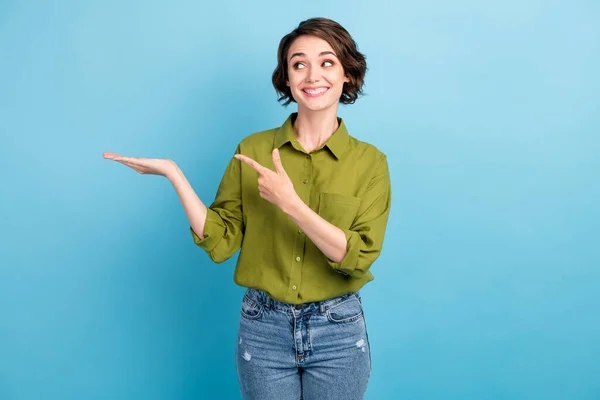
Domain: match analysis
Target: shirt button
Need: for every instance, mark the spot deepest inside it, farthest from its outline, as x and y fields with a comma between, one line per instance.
x=298, y=259
x=308, y=156
x=294, y=287
x=299, y=232
x=305, y=181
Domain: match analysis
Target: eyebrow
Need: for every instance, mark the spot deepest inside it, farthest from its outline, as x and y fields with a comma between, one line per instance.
x=321, y=54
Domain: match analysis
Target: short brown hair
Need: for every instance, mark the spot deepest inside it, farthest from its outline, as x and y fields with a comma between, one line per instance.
x=353, y=62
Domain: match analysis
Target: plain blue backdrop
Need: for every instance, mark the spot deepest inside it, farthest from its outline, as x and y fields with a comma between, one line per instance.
x=489, y=283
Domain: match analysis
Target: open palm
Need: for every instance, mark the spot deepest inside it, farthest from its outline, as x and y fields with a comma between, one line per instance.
x=151, y=166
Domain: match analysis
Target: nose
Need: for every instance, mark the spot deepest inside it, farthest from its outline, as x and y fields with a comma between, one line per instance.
x=312, y=75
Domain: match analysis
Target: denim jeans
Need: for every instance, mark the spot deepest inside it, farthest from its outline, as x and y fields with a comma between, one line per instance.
x=313, y=351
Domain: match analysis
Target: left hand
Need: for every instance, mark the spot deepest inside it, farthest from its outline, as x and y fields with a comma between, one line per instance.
x=149, y=166
x=273, y=186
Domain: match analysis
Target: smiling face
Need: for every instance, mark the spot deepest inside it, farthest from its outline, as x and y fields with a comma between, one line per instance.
x=315, y=74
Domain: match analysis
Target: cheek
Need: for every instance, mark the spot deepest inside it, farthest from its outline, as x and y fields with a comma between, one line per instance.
x=294, y=80
x=337, y=80
x=336, y=76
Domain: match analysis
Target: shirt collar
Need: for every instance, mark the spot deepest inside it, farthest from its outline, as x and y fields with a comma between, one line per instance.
x=337, y=143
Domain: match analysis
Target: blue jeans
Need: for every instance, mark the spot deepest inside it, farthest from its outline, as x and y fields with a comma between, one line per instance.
x=314, y=351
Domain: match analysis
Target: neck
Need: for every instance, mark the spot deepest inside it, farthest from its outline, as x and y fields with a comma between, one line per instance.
x=313, y=128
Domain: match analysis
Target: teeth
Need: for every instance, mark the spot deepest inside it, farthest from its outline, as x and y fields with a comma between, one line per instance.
x=317, y=91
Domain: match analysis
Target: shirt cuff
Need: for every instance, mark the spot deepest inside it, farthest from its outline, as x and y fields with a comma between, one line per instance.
x=348, y=265
x=213, y=231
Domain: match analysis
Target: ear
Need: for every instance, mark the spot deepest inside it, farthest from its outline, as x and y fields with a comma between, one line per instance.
x=287, y=83
x=347, y=79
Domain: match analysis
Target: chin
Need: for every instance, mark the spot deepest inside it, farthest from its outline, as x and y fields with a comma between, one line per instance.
x=315, y=107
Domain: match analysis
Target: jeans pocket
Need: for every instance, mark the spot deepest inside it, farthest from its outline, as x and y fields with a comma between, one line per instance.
x=349, y=310
x=250, y=309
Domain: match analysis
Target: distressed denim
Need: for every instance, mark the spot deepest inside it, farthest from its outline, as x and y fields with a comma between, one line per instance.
x=313, y=351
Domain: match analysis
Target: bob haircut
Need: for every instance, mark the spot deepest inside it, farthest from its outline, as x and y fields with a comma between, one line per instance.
x=353, y=62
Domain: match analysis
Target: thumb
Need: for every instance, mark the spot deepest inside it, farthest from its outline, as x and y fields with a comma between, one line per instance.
x=277, y=162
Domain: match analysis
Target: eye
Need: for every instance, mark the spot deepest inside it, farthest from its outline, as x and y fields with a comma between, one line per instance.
x=298, y=65
x=328, y=63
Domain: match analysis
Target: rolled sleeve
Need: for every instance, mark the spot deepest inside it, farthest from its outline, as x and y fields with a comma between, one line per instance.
x=364, y=239
x=224, y=227
x=214, y=228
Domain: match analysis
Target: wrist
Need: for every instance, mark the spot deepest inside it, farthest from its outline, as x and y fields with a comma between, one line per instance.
x=294, y=206
x=172, y=171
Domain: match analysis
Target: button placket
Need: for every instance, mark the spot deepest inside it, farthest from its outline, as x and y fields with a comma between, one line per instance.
x=300, y=242
x=303, y=191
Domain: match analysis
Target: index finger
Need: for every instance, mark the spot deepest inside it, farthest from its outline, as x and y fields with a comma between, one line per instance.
x=259, y=168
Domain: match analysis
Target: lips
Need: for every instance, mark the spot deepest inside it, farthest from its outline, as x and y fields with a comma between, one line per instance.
x=315, y=92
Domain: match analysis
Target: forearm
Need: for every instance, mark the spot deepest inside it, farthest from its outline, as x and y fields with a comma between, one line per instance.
x=330, y=239
x=194, y=208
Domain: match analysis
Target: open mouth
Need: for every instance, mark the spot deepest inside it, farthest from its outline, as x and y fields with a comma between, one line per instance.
x=315, y=92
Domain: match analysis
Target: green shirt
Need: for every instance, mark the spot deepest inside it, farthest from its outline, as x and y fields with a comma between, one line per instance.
x=346, y=181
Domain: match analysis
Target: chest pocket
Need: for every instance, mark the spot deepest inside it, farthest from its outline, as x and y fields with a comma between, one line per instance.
x=338, y=209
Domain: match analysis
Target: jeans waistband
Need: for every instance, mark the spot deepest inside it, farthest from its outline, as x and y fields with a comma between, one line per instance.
x=260, y=297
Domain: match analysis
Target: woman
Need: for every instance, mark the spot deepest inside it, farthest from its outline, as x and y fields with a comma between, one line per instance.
x=308, y=205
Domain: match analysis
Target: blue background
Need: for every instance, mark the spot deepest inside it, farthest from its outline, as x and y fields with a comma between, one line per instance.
x=489, y=283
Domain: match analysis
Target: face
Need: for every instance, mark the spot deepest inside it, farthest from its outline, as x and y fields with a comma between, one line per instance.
x=316, y=76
